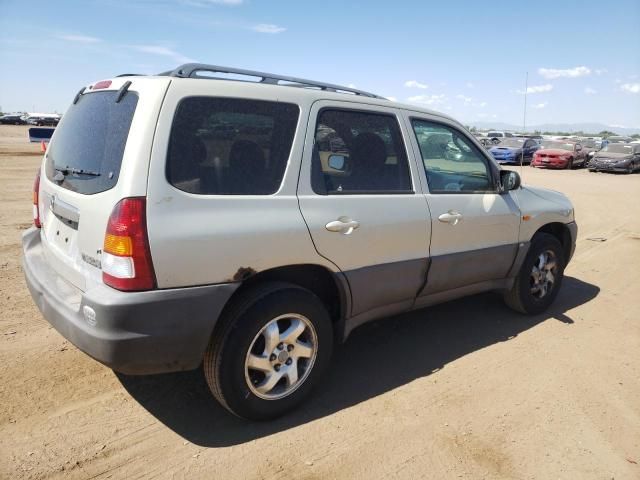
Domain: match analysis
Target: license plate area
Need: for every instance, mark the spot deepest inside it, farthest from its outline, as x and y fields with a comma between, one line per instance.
x=60, y=234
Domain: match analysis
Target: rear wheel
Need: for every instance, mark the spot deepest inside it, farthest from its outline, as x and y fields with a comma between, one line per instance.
x=540, y=276
x=272, y=347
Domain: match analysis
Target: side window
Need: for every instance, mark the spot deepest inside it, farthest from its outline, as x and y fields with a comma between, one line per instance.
x=452, y=163
x=358, y=152
x=226, y=146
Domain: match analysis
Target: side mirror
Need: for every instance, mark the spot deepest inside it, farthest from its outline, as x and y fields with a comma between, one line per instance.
x=509, y=180
x=337, y=162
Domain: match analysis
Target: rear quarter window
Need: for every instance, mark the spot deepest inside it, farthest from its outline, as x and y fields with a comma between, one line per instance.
x=228, y=146
x=90, y=141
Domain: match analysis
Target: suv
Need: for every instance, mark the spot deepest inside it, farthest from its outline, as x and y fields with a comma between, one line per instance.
x=181, y=220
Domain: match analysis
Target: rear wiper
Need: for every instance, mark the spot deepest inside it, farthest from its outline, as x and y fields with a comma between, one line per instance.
x=63, y=172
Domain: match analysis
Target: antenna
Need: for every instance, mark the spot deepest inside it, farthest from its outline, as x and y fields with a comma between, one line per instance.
x=524, y=121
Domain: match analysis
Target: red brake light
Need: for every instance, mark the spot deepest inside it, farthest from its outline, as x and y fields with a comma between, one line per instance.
x=126, y=257
x=102, y=84
x=36, y=196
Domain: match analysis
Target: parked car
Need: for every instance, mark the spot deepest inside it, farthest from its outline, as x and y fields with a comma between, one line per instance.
x=43, y=121
x=619, y=139
x=559, y=154
x=514, y=150
x=496, y=136
x=616, y=157
x=250, y=251
x=486, y=142
x=12, y=120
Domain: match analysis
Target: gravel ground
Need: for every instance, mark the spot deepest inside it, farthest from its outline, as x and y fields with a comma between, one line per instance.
x=467, y=389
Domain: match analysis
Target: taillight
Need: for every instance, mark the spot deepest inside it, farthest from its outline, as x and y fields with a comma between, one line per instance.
x=126, y=257
x=36, y=196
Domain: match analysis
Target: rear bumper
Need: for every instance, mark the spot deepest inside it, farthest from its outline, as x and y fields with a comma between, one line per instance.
x=131, y=332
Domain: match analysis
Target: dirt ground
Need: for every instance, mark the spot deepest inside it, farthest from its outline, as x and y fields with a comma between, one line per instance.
x=468, y=389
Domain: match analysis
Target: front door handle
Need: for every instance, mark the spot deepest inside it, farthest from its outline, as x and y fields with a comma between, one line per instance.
x=343, y=225
x=451, y=217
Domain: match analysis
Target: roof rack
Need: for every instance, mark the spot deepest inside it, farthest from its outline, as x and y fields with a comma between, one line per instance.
x=190, y=70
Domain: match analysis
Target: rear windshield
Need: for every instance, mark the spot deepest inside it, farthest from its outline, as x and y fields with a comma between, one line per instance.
x=229, y=146
x=86, y=152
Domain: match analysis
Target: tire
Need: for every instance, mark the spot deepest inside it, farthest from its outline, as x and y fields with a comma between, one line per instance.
x=243, y=334
x=569, y=164
x=523, y=296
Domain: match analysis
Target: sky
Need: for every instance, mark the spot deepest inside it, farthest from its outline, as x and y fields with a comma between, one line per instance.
x=467, y=59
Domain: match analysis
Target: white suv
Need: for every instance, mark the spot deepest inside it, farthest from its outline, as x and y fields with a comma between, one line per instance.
x=183, y=219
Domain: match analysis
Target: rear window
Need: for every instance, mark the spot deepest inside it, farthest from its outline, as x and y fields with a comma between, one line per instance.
x=227, y=146
x=89, y=142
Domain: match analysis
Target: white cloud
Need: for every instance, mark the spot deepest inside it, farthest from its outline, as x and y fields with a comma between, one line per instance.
x=415, y=84
x=551, y=73
x=538, y=106
x=428, y=99
x=163, y=51
x=537, y=89
x=470, y=85
x=630, y=87
x=393, y=99
x=600, y=71
x=465, y=99
x=79, y=38
x=480, y=104
x=352, y=85
x=268, y=28
x=590, y=91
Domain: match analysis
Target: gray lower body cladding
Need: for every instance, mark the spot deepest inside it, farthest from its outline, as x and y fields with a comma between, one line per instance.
x=132, y=332
x=392, y=288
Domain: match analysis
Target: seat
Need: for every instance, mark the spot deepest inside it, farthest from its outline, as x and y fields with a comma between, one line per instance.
x=247, y=173
x=368, y=156
x=185, y=170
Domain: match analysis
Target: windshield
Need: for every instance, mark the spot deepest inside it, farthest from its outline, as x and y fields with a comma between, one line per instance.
x=557, y=145
x=87, y=148
x=511, y=142
x=618, y=148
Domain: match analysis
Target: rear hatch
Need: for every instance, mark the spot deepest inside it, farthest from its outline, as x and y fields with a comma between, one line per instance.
x=98, y=155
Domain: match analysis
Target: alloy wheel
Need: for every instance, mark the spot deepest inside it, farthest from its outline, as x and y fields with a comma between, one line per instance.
x=543, y=274
x=281, y=356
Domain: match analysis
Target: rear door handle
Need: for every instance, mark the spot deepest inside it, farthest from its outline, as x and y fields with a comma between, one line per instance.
x=343, y=225
x=452, y=217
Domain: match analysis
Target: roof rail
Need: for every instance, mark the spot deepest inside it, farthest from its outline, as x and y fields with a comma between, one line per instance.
x=190, y=70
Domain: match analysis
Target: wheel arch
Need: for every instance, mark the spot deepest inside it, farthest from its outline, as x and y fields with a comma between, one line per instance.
x=331, y=287
x=562, y=233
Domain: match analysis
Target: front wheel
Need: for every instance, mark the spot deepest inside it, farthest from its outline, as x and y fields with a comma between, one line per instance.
x=538, y=282
x=273, y=345
x=569, y=164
